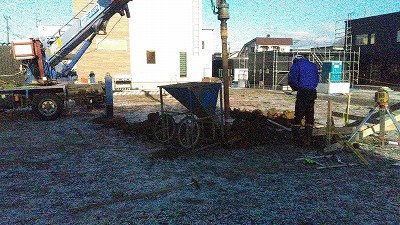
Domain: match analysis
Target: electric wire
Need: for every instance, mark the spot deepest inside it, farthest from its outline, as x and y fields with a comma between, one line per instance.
x=112, y=28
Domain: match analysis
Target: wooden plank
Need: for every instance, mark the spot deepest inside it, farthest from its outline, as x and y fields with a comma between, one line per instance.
x=344, y=130
x=376, y=128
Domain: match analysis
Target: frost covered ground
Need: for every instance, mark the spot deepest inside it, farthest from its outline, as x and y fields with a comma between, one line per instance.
x=74, y=171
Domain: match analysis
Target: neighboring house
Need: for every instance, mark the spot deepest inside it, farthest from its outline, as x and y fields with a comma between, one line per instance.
x=379, y=40
x=261, y=44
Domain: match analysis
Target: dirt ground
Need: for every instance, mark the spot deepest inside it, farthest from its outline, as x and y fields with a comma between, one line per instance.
x=76, y=171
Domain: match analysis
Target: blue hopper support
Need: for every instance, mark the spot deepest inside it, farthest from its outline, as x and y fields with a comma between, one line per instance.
x=201, y=119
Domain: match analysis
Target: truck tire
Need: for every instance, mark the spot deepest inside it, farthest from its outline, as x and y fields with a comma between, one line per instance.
x=47, y=106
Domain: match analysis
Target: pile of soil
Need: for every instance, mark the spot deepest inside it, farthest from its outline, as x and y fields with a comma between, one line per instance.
x=249, y=129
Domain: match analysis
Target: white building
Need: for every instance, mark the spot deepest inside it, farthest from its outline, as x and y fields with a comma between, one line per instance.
x=167, y=43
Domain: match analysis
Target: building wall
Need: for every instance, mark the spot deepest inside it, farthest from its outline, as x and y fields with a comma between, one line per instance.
x=168, y=28
x=107, y=53
x=9, y=66
x=206, y=53
x=383, y=53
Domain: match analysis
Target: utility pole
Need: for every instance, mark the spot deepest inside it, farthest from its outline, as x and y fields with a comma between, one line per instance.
x=255, y=66
x=8, y=28
x=263, y=65
x=223, y=16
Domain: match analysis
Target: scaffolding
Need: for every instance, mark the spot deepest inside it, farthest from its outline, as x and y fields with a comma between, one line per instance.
x=196, y=27
x=350, y=60
x=279, y=73
x=349, y=56
x=271, y=68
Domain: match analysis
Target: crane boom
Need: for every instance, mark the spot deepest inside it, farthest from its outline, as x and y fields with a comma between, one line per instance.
x=93, y=21
x=41, y=56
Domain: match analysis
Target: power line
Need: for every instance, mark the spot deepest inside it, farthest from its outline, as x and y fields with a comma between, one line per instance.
x=106, y=35
x=16, y=29
x=16, y=35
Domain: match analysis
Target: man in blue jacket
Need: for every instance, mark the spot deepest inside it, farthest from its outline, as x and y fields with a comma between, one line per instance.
x=303, y=78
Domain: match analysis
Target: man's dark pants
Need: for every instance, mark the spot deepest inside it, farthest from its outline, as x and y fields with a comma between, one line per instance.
x=304, y=108
x=305, y=100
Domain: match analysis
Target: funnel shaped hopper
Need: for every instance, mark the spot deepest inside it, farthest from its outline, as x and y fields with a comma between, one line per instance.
x=198, y=97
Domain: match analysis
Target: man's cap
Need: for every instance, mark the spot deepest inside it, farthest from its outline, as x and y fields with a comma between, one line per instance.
x=297, y=57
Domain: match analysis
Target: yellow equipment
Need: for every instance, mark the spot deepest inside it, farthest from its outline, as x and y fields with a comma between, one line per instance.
x=382, y=97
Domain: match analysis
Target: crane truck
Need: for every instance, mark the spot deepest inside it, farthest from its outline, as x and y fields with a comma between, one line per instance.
x=48, y=85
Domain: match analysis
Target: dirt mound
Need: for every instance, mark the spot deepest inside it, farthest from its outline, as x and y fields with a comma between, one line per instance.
x=255, y=128
x=250, y=128
x=136, y=128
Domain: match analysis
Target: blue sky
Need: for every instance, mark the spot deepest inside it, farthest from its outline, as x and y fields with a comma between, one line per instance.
x=24, y=15
x=309, y=22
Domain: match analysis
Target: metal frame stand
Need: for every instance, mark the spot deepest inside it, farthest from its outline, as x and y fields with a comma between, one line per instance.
x=383, y=108
x=200, y=117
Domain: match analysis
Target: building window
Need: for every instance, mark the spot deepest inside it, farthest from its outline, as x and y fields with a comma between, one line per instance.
x=362, y=39
x=372, y=40
x=182, y=64
x=151, y=57
x=398, y=36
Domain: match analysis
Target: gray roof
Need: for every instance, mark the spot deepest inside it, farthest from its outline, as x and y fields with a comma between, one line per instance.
x=272, y=41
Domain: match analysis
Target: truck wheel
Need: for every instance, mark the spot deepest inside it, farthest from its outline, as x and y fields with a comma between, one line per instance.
x=47, y=106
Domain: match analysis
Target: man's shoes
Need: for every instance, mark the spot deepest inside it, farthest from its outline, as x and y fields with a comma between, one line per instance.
x=307, y=142
x=297, y=142
x=308, y=135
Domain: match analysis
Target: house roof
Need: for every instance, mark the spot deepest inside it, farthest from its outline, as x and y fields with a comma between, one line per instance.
x=273, y=41
x=382, y=16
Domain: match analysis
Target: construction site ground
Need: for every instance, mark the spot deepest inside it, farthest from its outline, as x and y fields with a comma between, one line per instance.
x=76, y=171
